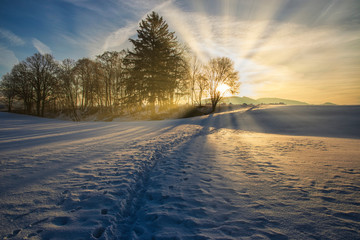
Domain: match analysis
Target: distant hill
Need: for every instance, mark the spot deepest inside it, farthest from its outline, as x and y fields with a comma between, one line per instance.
x=328, y=103
x=247, y=100
x=239, y=100
x=280, y=100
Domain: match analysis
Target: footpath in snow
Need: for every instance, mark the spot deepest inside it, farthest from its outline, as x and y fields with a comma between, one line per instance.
x=277, y=173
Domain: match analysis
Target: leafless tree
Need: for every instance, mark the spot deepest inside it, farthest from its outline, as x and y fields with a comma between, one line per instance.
x=8, y=89
x=24, y=89
x=201, y=85
x=42, y=70
x=195, y=68
x=88, y=74
x=113, y=76
x=220, y=71
x=69, y=87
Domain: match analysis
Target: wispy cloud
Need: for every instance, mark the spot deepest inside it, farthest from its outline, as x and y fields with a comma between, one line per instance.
x=88, y=5
x=143, y=4
x=41, y=47
x=8, y=58
x=112, y=23
x=11, y=37
x=120, y=37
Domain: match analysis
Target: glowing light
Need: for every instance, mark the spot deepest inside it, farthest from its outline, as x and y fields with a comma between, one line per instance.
x=224, y=90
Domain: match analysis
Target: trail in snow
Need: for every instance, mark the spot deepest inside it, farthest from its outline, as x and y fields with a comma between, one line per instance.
x=217, y=176
x=80, y=184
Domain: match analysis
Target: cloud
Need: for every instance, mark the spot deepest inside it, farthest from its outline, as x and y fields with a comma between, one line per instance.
x=112, y=23
x=11, y=37
x=91, y=6
x=8, y=58
x=118, y=38
x=41, y=47
x=144, y=4
x=143, y=7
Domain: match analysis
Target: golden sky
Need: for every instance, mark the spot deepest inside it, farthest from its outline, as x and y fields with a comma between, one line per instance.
x=302, y=50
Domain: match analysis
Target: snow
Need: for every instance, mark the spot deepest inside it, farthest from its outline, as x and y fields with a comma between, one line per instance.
x=266, y=173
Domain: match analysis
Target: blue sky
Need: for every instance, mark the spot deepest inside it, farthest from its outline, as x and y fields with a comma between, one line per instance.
x=301, y=49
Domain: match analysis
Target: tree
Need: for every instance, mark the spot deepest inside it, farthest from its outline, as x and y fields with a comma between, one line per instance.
x=42, y=70
x=24, y=88
x=88, y=75
x=194, y=73
x=179, y=80
x=157, y=63
x=120, y=78
x=201, y=84
x=133, y=98
x=8, y=89
x=112, y=69
x=69, y=87
x=219, y=72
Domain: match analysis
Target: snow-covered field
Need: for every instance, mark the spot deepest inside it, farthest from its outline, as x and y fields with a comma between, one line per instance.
x=268, y=173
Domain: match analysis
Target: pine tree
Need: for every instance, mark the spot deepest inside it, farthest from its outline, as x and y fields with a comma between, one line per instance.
x=157, y=64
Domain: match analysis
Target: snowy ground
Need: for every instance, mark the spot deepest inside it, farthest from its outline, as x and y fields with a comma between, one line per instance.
x=273, y=173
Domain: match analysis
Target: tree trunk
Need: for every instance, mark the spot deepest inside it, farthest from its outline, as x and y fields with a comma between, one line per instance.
x=38, y=102
x=213, y=107
x=42, y=107
x=9, y=104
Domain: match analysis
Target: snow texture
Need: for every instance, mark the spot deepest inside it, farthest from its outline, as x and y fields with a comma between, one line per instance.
x=265, y=173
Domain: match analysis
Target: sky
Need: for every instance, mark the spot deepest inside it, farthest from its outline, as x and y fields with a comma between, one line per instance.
x=304, y=50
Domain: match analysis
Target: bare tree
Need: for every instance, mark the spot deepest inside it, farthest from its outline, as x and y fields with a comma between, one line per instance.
x=43, y=70
x=194, y=73
x=24, y=88
x=88, y=74
x=200, y=86
x=220, y=71
x=112, y=75
x=108, y=61
x=8, y=89
x=69, y=86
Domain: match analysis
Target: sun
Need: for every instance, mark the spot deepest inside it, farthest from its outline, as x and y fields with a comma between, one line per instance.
x=224, y=90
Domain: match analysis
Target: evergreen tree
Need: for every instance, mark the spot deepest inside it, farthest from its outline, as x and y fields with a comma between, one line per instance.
x=157, y=65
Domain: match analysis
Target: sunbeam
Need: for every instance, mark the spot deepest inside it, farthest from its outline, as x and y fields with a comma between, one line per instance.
x=289, y=49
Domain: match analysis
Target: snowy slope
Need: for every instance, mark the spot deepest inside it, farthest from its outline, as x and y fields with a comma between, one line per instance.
x=276, y=173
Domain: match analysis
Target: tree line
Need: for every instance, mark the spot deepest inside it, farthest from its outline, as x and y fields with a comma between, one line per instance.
x=157, y=73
